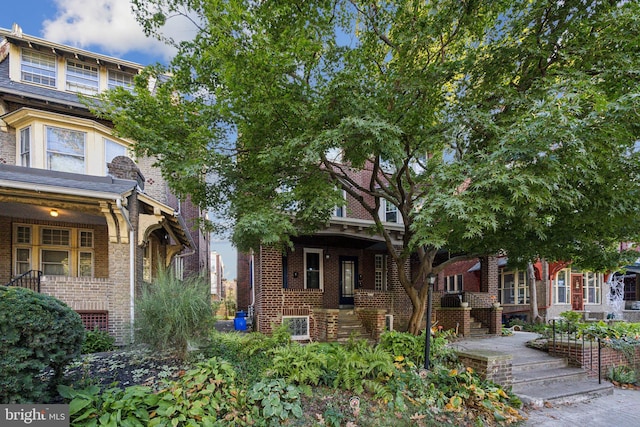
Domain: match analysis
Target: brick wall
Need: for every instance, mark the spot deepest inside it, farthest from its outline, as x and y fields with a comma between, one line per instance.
x=244, y=281
x=490, y=365
x=373, y=320
x=369, y=298
x=7, y=145
x=455, y=318
x=326, y=324
x=587, y=356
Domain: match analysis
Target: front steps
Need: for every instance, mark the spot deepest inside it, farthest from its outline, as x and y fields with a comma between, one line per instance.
x=350, y=326
x=549, y=380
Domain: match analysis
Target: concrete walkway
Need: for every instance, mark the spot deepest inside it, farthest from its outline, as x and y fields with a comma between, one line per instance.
x=621, y=409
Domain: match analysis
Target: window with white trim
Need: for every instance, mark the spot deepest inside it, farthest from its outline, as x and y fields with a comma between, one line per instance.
x=55, y=251
x=561, y=288
x=592, y=287
x=341, y=211
x=117, y=78
x=65, y=149
x=82, y=77
x=36, y=67
x=298, y=325
x=453, y=283
x=380, y=274
x=513, y=287
x=313, y=269
x=389, y=212
x=25, y=146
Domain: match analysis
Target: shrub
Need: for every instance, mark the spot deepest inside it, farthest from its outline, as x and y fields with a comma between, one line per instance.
x=97, y=341
x=274, y=402
x=40, y=335
x=622, y=374
x=172, y=312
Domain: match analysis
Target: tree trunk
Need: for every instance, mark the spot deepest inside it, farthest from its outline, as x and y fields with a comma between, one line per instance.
x=533, y=294
x=417, y=315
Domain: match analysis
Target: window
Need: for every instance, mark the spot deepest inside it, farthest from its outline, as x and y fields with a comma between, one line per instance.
x=380, y=275
x=453, y=284
x=513, y=287
x=54, y=250
x=112, y=150
x=298, y=325
x=65, y=149
x=341, y=211
x=592, y=287
x=25, y=146
x=38, y=68
x=561, y=287
x=313, y=278
x=119, y=79
x=389, y=212
x=285, y=272
x=82, y=78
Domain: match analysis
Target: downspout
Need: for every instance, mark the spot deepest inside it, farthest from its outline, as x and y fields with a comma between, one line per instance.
x=132, y=266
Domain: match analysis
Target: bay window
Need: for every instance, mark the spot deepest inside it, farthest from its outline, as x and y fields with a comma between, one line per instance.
x=65, y=149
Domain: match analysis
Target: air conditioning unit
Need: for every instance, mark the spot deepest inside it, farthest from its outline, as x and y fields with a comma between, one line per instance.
x=388, y=322
x=635, y=305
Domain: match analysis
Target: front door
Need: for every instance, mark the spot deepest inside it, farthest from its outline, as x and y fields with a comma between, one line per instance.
x=348, y=277
x=577, y=301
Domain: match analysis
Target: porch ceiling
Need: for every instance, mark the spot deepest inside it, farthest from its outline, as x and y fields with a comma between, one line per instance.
x=67, y=212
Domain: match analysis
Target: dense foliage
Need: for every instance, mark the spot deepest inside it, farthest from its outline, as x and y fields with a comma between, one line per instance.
x=39, y=336
x=171, y=312
x=490, y=125
x=96, y=341
x=266, y=381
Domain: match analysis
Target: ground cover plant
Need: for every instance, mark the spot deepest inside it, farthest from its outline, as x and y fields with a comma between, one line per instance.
x=252, y=379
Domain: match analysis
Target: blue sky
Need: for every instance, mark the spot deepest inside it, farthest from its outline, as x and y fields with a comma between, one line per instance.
x=106, y=27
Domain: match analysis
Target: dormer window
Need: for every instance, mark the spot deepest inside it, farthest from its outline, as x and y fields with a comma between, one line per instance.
x=38, y=68
x=119, y=79
x=82, y=77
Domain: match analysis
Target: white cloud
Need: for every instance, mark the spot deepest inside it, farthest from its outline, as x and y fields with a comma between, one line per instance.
x=110, y=26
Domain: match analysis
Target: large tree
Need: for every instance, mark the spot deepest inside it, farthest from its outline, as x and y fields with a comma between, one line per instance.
x=491, y=125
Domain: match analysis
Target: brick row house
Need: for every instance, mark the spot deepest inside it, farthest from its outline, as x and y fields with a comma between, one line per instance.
x=81, y=219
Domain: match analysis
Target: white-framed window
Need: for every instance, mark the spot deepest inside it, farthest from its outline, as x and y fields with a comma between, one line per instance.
x=25, y=146
x=513, y=287
x=111, y=150
x=592, y=287
x=65, y=149
x=341, y=211
x=561, y=287
x=313, y=269
x=36, y=67
x=55, y=251
x=82, y=77
x=453, y=283
x=117, y=78
x=389, y=212
x=298, y=325
x=380, y=272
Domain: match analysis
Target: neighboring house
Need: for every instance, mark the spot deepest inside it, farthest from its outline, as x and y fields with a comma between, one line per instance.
x=80, y=218
x=217, y=277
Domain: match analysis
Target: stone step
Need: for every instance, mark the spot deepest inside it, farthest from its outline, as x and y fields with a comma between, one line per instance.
x=547, y=363
x=543, y=377
x=562, y=393
x=475, y=325
x=478, y=332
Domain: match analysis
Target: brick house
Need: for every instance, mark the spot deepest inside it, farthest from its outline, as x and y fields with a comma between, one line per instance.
x=79, y=218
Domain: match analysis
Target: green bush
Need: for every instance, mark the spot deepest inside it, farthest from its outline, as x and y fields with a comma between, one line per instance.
x=274, y=402
x=39, y=336
x=97, y=341
x=622, y=374
x=171, y=312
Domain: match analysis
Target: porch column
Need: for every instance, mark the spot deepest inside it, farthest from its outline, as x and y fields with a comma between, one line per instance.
x=268, y=283
x=489, y=275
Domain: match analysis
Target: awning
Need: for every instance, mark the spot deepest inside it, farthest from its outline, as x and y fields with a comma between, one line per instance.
x=501, y=263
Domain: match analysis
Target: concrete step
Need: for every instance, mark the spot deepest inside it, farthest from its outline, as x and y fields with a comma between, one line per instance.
x=547, y=363
x=542, y=377
x=478, y=332
x=563, y=392
x=476, y=324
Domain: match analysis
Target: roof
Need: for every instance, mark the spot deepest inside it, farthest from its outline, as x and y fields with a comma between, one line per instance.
x=54, y=181
x=501, y=263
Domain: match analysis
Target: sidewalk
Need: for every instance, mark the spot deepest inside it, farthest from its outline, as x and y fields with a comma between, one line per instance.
x=622, y=409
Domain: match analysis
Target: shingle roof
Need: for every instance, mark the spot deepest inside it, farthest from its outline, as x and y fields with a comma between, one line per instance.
x=104, y=184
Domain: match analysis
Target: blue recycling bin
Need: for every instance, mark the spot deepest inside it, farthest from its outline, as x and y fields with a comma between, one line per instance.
x=240, y=321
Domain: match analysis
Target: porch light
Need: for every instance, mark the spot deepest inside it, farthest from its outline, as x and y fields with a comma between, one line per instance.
x=53, y=213
x=431, y=280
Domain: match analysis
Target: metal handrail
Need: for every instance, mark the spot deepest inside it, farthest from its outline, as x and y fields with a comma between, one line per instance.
x=577, y=343
x=29, y=280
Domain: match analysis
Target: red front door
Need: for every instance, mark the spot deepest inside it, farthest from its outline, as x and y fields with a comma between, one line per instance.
x=577, y=301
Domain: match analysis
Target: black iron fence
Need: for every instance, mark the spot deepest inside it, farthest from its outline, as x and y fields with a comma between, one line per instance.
x=29, y=280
